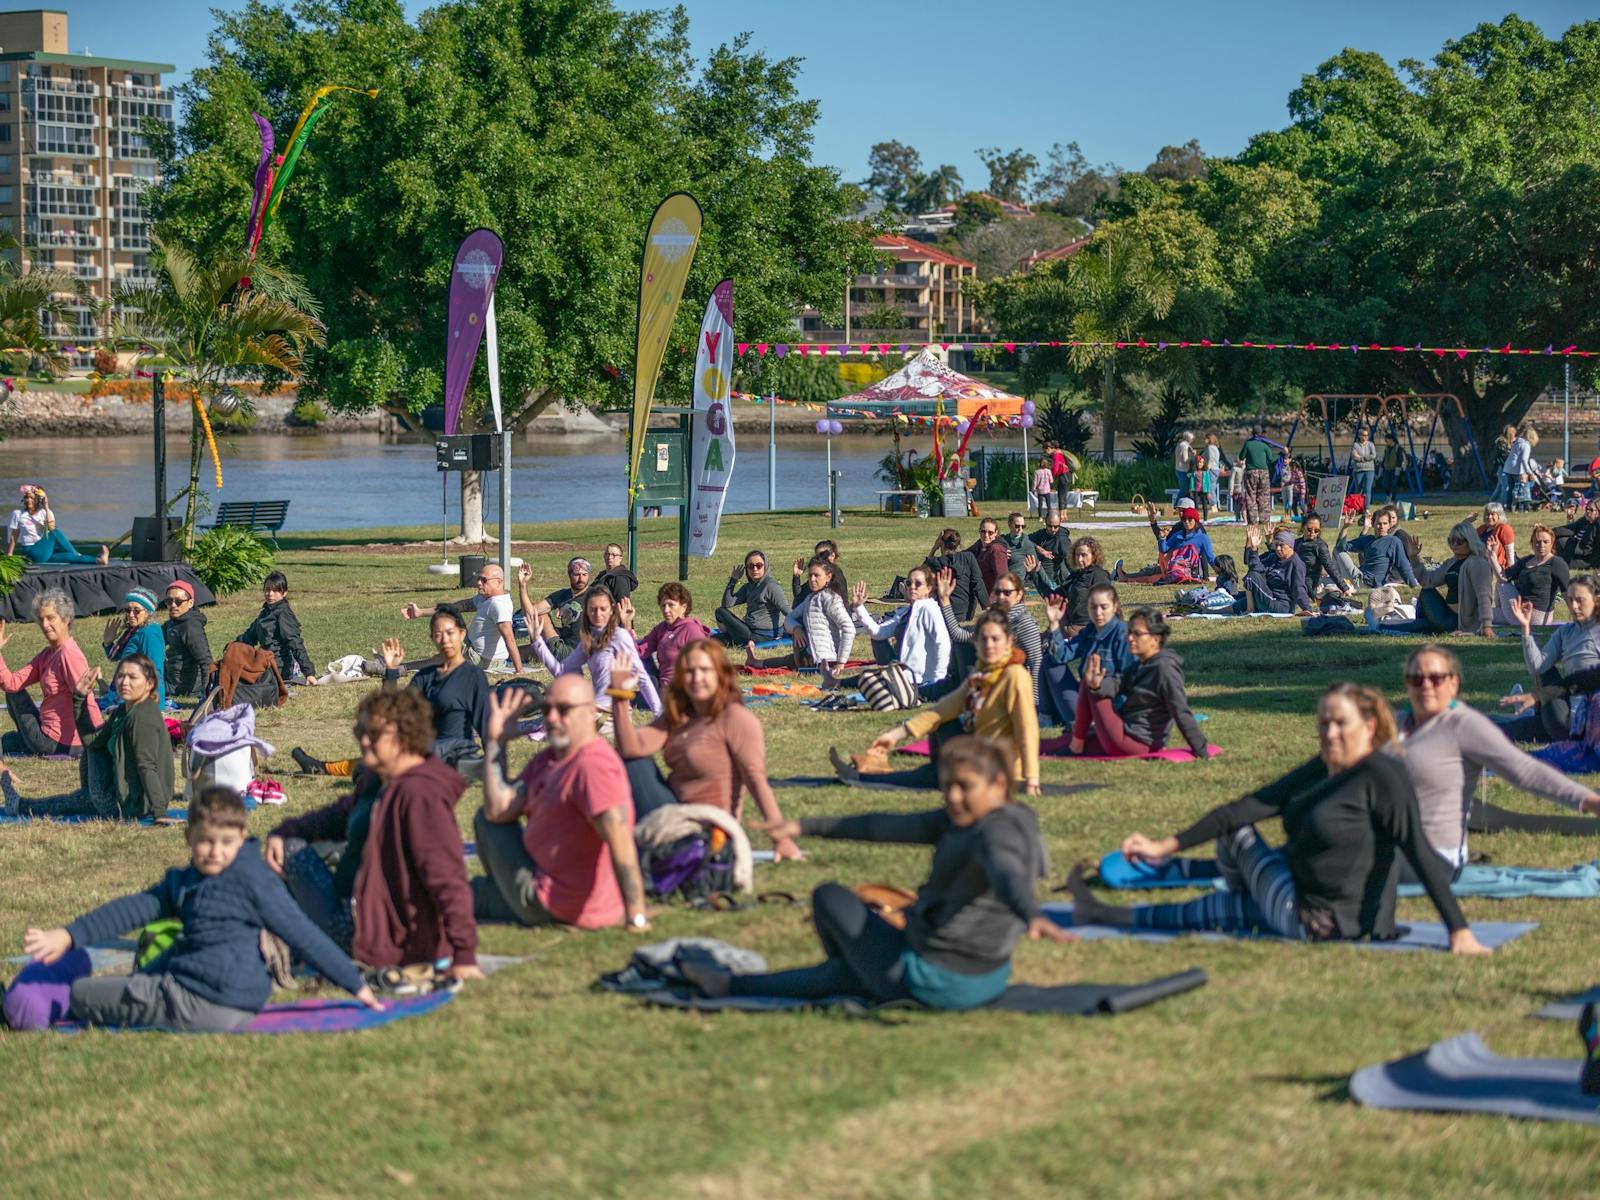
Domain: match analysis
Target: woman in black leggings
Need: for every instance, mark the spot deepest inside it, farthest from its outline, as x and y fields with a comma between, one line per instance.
x=954, y=949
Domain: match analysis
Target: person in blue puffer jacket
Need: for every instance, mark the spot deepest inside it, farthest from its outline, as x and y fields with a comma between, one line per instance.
x=212, y=979
x=1105, y=634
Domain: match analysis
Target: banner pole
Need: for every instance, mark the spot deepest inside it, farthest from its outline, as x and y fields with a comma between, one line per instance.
x=772, y=451
x=505, y=505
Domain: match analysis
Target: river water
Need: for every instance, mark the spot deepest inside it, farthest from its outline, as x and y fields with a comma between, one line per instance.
x=354, y=480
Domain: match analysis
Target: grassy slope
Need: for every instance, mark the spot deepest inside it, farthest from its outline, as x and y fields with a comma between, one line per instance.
x=531, y=1084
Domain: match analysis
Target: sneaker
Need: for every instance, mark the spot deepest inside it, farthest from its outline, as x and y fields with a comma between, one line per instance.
x=1116, y=569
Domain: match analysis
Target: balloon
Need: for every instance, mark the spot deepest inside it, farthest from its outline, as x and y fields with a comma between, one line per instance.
x=822, y=426
x=1027, y=420
x=838, y=427
x=963, y=425
x=1027, y=408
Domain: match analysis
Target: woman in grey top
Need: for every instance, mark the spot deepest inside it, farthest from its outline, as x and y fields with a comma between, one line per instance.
x=1446, y=747
x=1545, y=714
x=1363, y=465
x=766, y=603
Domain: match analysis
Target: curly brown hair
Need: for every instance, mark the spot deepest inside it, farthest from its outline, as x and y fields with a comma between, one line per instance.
x=679, y=708
x=1096, y=550
x=407, y=710
x=675, y=591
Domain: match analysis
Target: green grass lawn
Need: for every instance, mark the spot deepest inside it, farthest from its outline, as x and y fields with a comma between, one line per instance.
x=531, y=1084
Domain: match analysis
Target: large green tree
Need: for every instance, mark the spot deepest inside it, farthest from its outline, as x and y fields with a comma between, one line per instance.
x=559, y=124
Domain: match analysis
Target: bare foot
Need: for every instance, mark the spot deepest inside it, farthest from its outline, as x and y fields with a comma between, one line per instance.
x=750, y=654
x=1075, y=745
x=105, y=555
x=711, y=979
x=1086, y=910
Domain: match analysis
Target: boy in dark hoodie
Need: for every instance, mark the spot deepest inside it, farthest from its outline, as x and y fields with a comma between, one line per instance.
x=276, y=629
x=213, y=978
x=188, y=662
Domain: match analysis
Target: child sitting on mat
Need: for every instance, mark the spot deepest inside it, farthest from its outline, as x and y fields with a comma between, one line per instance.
x=213, y=978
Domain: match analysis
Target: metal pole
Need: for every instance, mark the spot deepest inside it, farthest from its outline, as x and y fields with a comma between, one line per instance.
x=772, y=450
x=505, y=506
x=833, y=498
x=1025, y=482
x=158, y=410
x=686, y=434
x=1566, y=416
x=633, y=513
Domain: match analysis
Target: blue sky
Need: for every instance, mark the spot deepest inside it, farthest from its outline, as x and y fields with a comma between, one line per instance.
x=949, y=76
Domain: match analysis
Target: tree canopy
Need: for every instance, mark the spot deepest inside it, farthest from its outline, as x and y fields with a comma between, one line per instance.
x=557, y=123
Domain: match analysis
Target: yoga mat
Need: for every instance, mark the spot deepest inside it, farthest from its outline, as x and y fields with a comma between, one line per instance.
x=1170, y=754
x=1068, y=999
x=319, y=1016
x=867, y=781
x=1464, y=1075
x=1484, y=817
x=113, y=956
x=1582, y=882
x=1568, y=1010
x=8, y=819
x=1419, y=935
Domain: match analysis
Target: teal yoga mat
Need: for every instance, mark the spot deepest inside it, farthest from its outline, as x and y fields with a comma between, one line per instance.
x=1464, y=1075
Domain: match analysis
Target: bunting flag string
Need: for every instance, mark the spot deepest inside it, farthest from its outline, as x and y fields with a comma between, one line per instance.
x=824, y=350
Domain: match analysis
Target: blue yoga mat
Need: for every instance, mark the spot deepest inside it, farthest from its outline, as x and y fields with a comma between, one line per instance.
x=1570, y=1008
x=1464, y=1075
x=770, y=644
x=1420, y=935
x=1582, y=882
x=7, y=819
x=321, y=1016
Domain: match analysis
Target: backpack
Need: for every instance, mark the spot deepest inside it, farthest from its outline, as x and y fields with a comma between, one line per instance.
x=889, y=688
x=1182, y=565
x=690, y=867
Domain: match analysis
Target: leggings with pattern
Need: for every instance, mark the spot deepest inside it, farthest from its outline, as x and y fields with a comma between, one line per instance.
x=1261, y=898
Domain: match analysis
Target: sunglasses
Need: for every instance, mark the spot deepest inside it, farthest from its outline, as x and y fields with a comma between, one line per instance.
x=561, y=710
x=1006, y=591
x=174, y=601
x=1432, y=678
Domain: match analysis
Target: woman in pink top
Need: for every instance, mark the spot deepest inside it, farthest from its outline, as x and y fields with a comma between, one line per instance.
x=48, y=727
x=666, y=641
x=606, y=647
x=712, y=743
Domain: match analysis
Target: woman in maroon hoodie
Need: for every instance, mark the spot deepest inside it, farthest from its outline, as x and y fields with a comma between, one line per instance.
x=403, y=870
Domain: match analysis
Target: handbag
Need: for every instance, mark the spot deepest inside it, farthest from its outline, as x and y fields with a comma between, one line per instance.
x=889, y=688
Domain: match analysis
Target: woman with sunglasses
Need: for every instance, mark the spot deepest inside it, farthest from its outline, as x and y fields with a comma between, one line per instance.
x=125, y=771
x=399, y=893
x=1448, y=746
x=135, y=632
x=765, y=602
x=924, y=643
x=1347, y=815
x=188, y=666
x=1007, y=599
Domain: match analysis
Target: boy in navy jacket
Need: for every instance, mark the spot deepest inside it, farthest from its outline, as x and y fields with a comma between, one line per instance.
x=212, y=979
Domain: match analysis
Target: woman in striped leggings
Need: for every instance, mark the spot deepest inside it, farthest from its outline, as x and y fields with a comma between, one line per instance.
x=1345, y=813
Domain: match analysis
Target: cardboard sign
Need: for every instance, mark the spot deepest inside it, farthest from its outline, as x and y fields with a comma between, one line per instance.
x=1330, y=497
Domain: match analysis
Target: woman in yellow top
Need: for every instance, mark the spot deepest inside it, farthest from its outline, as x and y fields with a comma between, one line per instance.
x=995, y=702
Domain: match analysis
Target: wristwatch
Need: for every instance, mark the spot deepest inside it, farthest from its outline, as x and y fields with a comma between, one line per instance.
x=639, y=921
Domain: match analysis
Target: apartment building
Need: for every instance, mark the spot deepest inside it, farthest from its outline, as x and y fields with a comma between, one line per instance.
x=917, y=297
x=74, y=161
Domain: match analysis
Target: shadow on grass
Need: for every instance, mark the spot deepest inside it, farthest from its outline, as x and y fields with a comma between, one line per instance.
x=1336, y=1088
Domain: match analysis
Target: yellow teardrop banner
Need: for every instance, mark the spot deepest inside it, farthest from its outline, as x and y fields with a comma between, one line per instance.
x=669, y=247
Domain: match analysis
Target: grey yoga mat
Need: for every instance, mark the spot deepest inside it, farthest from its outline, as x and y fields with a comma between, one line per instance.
x=1417, y=935
x=1068, y=999
x=1464, y=1075
x=1568, y=1010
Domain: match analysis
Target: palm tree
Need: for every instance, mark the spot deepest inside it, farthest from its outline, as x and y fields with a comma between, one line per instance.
x=1117, y=291
x=28, y=300
x=213, y=322
x=939, y=186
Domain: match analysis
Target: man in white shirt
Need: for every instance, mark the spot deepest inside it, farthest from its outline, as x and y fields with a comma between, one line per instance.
x=490, y=639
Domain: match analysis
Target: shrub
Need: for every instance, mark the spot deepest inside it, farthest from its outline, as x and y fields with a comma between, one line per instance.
x=105, y=362
x=11, y=567
x=1119, y=481
x=306, y=414
x=230, y=559
x=1004, y=480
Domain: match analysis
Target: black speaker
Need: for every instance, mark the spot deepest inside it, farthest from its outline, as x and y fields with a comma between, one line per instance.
x=153, y=539
x=467, y=452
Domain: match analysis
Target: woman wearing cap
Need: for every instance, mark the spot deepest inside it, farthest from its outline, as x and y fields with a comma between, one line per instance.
x=1187, y=532
x=32, y=532
x=187, y=671
x=1276, y=583
x=133, y=632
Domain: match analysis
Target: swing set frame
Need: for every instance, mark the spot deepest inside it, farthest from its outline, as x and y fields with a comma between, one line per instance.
x=1369, y=411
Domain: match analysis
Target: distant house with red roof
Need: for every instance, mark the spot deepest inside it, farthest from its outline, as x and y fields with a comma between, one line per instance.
x=916, y=297
x=1055, y=252
x=1007, y=207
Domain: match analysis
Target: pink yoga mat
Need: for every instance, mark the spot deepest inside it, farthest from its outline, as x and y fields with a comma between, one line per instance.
x=1170, y=754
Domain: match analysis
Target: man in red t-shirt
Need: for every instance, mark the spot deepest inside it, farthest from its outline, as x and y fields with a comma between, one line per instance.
x=574, y=863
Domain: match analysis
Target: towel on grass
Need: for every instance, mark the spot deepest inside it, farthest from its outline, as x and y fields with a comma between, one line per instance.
x=1170, y=754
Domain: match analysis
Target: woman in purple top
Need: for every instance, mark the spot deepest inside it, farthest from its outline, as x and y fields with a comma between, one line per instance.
x=661, y=646
x=605, y=646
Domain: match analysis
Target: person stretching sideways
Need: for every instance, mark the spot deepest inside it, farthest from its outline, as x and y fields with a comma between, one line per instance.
x=1374, y=558
x=924, y=645
x=953, y=946
x=1125, y=716
x=713, y=744
x=213, y=978
x=604, y=646
x=49, y=727
x=1007, y=596
x=1347, y=814
x=1105, y=635
x=1446, y=747
x=575, y=862
x=558, y=617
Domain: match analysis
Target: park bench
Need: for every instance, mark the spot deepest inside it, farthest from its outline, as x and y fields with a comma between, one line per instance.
x=253, y=514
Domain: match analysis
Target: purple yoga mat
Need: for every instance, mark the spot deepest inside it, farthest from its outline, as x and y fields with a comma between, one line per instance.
x=325, y=1016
